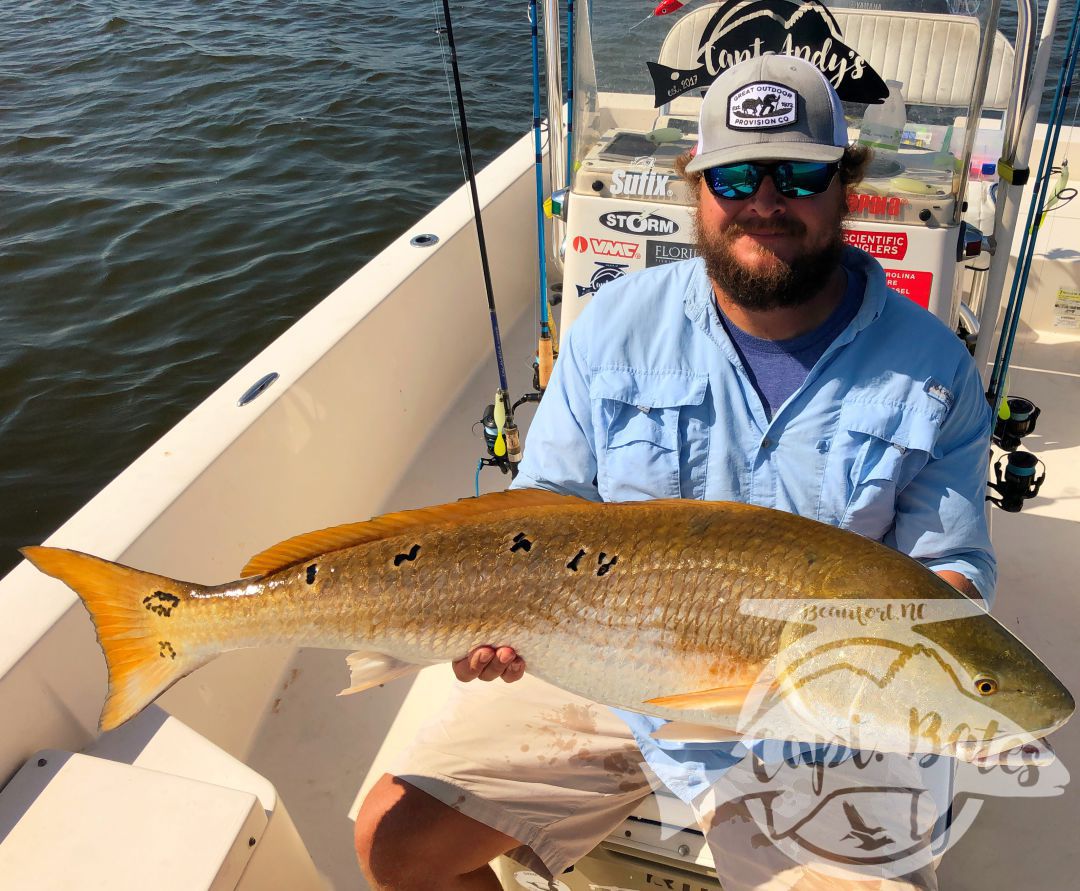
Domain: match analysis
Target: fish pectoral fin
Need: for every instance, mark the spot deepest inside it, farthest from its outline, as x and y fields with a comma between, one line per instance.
x=728, y=700
x=369, y=669
x=684, y=731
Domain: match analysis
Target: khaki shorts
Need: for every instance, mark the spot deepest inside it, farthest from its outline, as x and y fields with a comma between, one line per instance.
x=559, y=773
x=553, y=770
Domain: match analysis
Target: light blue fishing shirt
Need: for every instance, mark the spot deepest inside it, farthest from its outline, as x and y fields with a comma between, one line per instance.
x=888, y=435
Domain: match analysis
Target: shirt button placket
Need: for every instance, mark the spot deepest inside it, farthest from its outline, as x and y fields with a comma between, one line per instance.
x=764, y=474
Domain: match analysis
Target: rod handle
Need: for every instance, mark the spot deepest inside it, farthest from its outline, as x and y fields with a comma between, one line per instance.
x=546, y=359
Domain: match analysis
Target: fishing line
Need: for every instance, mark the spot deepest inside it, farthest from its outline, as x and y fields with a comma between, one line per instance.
x=449, y=87
x=1072, y=128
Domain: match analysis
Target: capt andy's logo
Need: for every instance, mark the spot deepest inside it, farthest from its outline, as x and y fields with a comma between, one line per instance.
x=762, y=106
x=607, y=272
x=738, y=30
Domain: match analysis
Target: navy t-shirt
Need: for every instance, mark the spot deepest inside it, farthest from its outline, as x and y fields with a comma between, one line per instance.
x=777, y=368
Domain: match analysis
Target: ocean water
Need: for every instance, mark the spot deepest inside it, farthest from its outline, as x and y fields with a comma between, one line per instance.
x=179, y=182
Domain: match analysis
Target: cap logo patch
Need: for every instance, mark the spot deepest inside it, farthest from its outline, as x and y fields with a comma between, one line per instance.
x=762, y=106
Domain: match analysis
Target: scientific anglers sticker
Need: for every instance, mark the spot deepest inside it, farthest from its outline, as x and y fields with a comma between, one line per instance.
x=740, y=30
x=889, y=245
x=639, y=223
x=659, y=253
x=762, y=106
x=607, y=272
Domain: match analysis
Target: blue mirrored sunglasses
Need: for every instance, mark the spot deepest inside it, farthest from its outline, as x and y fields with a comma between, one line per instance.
x=793, y=179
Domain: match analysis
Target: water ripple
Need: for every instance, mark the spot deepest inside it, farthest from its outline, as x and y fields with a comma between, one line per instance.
x=183, y=181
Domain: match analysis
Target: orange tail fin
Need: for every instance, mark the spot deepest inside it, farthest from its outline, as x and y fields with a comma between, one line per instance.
x=133, y=613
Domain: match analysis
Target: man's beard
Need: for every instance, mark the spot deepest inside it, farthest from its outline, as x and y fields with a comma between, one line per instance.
x=777, y=283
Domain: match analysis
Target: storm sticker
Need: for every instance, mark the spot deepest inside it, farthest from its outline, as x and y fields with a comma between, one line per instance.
x=639, y=223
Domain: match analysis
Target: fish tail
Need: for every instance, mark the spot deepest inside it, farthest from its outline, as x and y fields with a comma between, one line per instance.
x=133, y=614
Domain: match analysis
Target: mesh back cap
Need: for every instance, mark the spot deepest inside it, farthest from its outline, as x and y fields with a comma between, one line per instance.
x=770, y=108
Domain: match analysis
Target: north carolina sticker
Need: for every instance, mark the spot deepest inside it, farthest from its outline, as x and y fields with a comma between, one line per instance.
x=762, y=106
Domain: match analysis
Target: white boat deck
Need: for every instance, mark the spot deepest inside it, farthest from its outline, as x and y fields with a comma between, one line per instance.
x=1018, y=842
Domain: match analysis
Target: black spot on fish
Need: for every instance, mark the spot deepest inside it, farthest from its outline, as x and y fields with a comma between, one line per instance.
x=521, y=543
x=311, y=571
x=572, y=565
x=165, y=650
x=604, y=564
x=413, y=552
x=161, y=602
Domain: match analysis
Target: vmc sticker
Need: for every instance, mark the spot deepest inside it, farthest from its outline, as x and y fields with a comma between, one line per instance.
x=915, y=285
x=885, y=245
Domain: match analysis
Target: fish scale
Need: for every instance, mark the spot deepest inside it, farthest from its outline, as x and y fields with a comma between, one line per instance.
x=642, y=606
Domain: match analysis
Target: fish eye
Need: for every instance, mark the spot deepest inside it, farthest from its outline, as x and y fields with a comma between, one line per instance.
x=986, y=686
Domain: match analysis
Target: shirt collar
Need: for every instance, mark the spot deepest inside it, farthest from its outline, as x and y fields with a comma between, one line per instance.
x=698, y=300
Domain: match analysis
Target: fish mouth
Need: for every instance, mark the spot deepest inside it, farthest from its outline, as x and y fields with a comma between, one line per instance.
x=1031, y=747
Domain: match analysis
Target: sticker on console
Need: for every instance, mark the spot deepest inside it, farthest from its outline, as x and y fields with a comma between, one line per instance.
x=607, y=272
x=912, y=284
x=636, y=223
x=606, y=247
x=659, y=253
x=888, y=245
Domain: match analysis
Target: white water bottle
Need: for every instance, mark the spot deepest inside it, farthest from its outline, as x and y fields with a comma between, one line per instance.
x=883, y=125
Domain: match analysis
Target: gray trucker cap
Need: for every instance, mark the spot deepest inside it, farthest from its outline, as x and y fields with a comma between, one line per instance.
x=770, y=108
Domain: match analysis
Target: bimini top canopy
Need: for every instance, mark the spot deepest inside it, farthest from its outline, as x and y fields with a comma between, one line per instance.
x=910, y=75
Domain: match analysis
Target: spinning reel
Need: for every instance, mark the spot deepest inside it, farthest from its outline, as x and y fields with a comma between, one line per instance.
x=1018, y=482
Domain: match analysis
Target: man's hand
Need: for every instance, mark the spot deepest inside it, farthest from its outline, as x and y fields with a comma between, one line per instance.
x=489, y=663
x=962, y=583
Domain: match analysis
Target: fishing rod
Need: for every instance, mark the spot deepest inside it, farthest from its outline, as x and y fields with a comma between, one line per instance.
x=505, y=446
x=1036, y=213
x=570, y=36
x=545, y=356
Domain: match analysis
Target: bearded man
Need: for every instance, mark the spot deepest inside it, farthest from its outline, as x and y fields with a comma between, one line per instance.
x=776, y=369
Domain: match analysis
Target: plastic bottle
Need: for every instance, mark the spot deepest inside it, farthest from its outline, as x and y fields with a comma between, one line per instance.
x=883, y=125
